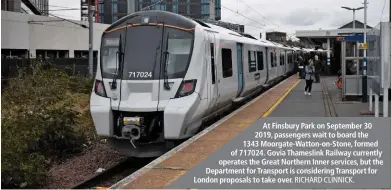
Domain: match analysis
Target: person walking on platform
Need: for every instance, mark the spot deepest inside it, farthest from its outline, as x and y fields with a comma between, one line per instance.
x=309, y=77
x=301, y=67
x=318, y=66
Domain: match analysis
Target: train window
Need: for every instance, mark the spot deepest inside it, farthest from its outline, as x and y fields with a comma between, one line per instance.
x=251, y=61
x=212, y=59
x=260, y=60
x=282, y=59
x=273, y=56
x=227, y=62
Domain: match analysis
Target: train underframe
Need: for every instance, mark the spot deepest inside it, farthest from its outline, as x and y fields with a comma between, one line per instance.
x=140, y=134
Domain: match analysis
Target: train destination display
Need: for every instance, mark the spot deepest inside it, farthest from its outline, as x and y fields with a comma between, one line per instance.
x=300, y=153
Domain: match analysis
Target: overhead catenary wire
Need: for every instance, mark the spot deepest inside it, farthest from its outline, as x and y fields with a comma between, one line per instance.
x=263, y=26
x=258, y=13
x=82, y=25
x=289, y=35
x=146, y=8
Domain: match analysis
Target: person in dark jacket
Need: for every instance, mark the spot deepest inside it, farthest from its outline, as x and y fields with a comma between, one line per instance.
x=301, y=67
x=318, y=66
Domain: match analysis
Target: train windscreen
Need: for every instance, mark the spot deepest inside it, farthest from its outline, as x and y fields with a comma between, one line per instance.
x=146, y=49
x=109, y=57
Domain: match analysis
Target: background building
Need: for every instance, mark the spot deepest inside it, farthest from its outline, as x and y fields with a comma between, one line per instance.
x=27, y=38
x=328, y=40
x=32, y=36
x=235, y=27
x=108, y=11
x=37, y=7
x=279, y=37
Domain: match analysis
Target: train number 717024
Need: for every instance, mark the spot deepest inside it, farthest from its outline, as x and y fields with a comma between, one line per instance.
x=140, y=74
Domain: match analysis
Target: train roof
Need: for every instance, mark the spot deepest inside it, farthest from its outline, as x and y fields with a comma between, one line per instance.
x=185, y=22
x=243, y=36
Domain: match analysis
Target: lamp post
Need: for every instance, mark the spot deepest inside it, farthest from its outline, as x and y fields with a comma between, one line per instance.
x=354, y=20
x=91, y=9
x=354, y=14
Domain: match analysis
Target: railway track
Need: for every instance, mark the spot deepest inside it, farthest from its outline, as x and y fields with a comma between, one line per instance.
x=126, y=167
x=114, y=173
x=328, y=103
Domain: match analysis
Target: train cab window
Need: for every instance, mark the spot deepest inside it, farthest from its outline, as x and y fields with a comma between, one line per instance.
x=260, y=60
x=226, y=55
x=252, y=65
x=212, y=60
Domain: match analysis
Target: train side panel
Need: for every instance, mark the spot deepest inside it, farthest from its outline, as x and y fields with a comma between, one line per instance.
x=251, y=74
x=181, y=114
x=227, y=64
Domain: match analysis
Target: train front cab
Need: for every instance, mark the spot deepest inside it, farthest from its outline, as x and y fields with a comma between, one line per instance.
x=143, y=92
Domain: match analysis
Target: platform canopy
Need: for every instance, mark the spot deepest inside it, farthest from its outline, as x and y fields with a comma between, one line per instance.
x=321, y=36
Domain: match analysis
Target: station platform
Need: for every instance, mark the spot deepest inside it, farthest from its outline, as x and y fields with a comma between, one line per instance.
x=286, y=99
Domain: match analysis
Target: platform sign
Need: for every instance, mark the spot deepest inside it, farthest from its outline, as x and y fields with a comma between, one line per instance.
x=340, y=38
x=362, y=46
x=358, y=38
x=350, y=34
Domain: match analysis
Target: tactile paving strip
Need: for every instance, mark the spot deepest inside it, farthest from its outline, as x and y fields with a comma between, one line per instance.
x=166, y=169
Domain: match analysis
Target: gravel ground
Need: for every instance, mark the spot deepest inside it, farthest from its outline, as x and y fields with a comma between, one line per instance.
x=76, y=170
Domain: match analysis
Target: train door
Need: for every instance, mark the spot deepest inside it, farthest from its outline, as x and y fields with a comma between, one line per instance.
x=213, y=91
x=285, y=62
x=261, y=67
x=258, y=67
x=266, y=64
x=239, y=51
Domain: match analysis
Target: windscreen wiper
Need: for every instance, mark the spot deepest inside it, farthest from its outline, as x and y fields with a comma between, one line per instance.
x=117, y=59
x=120, y=56
x=167, y=56
x=157, y=51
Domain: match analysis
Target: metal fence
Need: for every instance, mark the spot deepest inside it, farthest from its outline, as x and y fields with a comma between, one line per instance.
x=73, y=66
x=10, y=68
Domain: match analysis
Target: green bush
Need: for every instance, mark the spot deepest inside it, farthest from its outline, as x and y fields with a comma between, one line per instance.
x=45, y=119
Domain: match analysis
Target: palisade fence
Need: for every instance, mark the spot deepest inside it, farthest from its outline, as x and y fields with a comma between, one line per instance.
x=73, y=66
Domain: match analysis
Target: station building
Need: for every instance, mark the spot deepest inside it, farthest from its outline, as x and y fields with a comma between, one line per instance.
x=327, y=39
x=34, y=36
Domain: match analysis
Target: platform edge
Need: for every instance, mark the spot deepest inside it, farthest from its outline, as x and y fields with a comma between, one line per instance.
x=159, y=160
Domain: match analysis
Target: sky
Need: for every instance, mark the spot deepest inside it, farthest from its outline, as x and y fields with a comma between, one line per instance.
x=278, y=15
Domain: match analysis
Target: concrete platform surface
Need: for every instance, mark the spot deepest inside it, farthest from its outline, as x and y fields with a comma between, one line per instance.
x=286, y=99
x=163, y=171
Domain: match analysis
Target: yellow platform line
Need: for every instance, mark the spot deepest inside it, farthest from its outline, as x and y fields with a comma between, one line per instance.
x=271, y=109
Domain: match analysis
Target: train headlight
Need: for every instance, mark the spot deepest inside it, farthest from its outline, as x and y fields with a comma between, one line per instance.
x=186, y=88
x=133, y=120
x=100, y=88
x=145, y=20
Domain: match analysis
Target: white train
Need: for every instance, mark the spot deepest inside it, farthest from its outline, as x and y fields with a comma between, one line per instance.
x=161, y=75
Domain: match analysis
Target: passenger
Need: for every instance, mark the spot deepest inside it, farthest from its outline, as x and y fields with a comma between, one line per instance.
x=301, y=67
x=309, y=77
x=318, y=67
